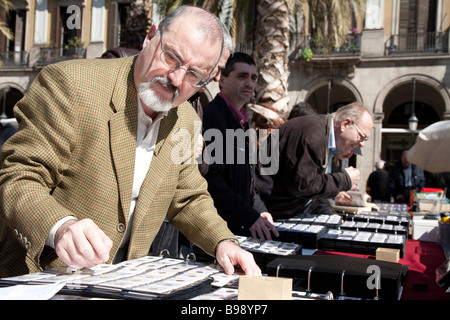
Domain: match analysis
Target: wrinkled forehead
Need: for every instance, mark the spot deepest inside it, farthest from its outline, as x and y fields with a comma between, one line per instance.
x=366, y=123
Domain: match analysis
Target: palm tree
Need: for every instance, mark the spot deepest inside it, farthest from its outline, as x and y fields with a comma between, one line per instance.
x=137, y=24
x=6, y=7
x=331, y=20
x=266, y=24
x=270, y=48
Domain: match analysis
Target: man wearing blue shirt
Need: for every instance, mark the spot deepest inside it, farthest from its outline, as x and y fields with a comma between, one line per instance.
x=307, y=146
x=404, y=178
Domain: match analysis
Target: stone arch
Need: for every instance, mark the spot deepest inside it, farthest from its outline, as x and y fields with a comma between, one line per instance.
x=438, y=86
x=14, y=93
x=322, y=84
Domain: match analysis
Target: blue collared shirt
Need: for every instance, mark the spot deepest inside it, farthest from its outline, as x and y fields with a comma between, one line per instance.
x=332, y=150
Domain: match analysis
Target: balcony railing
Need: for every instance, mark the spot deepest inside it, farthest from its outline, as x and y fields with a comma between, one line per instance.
x=14, y=59
x=52, y=55
x=417, y=43
x=319, y=46
x=301, y=41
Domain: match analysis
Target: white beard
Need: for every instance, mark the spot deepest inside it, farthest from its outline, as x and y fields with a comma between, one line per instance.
x=151, y=100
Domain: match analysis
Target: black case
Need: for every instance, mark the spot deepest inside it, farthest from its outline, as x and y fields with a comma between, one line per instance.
x=327, y=273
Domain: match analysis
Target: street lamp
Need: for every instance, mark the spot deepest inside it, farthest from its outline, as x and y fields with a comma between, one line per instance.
x=412, y=121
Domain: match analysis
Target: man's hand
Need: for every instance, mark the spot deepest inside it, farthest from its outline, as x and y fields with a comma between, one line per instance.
x=355, y=176
x=229, y=255
x=82, y=244
x=343, y=198
x=263, y=226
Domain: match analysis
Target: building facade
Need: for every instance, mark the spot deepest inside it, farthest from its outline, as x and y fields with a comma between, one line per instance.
x=398, y=65
x=396, y=61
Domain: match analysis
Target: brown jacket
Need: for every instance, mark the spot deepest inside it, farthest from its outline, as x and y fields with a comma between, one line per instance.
x=303, y=159
x=74, y=155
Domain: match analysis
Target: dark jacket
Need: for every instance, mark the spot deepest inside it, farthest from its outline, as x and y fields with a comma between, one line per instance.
x=301, y=176
x=230, y=181
x=377, y=184
x=397, y=180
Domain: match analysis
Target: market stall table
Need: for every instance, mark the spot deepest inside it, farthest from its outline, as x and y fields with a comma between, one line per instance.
x=423, y=258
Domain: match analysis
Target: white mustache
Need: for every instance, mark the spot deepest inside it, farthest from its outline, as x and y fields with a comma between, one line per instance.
x=165, y=82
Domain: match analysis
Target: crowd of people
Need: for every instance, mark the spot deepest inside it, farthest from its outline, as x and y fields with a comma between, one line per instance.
x=90, y=177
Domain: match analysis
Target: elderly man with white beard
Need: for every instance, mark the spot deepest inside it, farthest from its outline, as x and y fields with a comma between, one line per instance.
x=88, y=178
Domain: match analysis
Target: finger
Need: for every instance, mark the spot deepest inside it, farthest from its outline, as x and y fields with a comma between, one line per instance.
x=65, y=249
x=248, y=265
x=227, y=267
x=226, y=264
x=266, y=230
x=274, y=230
x=69, y=254
x=260, y=233
x=64, y=255
x=99, y=244
x=84, y=247
x=253, y=233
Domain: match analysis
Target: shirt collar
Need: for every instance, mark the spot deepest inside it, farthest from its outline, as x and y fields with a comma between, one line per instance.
x=332, y=142
x=241, y=115
x=145, y=122
x=144, y=118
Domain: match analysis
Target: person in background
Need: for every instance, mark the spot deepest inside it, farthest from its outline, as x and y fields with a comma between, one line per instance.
x=405, y=177
x=301, y=109
x=231, y=183
x=307, y=147
x=377, y=183
x=6, y=131
x=92, y=173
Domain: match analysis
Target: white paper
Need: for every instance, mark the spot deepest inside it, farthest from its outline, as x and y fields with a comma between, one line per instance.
x=31, y=292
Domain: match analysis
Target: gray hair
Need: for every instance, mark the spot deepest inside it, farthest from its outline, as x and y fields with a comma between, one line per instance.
x=228, y=43
x=380, y=164
x=206, y=22
x=354, y=111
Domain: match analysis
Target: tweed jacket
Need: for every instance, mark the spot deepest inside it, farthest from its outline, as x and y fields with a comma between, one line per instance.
x=74, y=154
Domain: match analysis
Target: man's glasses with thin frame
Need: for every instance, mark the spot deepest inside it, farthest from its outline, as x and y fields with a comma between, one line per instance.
x=361, y=134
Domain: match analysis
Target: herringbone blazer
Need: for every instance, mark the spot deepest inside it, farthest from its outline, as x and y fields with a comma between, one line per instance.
x=74, y=155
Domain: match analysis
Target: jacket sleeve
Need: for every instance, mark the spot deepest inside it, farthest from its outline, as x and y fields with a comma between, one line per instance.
x=192, y=210
x=34, y=163
x=238, y=213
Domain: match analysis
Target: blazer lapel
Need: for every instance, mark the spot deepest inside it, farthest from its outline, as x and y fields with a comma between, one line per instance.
x=146, y=216
x=155, y=176
x=123, y=132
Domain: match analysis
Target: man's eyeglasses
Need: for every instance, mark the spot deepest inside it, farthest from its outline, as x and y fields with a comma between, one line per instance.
x=170, y=60
x=361, y=134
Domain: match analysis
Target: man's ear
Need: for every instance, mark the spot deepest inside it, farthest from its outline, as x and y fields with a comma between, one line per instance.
x=345, y=123
x=221, y=80
x=150, y=35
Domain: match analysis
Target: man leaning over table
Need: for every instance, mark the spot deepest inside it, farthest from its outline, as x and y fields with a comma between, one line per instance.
x=307, y=147
x=89, y=177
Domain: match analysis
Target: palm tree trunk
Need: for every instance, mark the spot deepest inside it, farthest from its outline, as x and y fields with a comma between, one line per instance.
x=137, y=24
x=271, y=44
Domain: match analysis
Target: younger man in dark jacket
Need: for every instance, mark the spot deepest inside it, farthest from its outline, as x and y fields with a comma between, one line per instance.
x=231, y=172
